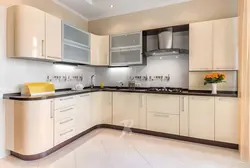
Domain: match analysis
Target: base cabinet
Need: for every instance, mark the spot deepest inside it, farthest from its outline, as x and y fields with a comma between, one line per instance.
x=101, y=108
x=23, y=120
x=162, y=122
x=126, y=108
x=226, y=120
x=201, y=117
x=83, y=112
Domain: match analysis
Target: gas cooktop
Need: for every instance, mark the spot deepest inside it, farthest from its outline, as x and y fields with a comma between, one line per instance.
x=165, y=89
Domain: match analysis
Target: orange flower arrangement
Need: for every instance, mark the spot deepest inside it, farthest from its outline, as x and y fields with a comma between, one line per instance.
x=214, y=78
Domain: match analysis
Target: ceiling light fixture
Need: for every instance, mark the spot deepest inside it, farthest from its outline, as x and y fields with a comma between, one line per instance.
x=111, y=6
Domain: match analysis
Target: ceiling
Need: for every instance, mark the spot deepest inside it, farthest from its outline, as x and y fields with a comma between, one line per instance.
x=96, y=9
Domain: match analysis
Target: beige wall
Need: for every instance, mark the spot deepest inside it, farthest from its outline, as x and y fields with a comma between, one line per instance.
x=50, y=7
x=196, y=10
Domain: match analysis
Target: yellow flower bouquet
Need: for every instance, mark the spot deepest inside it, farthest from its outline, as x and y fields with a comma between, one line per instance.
x=214, y=78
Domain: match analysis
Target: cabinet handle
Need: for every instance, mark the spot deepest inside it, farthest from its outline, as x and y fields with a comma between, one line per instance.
x=84, y=95
x=141, y=101
x=67, y=98
x=66, y=110
x=162, y=115
x=42, y=43
x=111, y=98
x=183, y=104
x=225, y=99
x=200, y=98
x=66, y=132
x=51, y=110
x=64, y=122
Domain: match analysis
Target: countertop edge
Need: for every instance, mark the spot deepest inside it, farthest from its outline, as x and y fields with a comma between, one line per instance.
x=17, y=96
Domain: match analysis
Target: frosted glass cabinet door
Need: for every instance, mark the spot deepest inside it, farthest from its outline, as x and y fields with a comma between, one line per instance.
x=126, y=57
x=126, y=40
x=74, y=53
x=75, y=35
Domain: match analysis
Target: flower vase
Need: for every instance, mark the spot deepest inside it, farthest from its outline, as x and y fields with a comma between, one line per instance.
x=214, y=88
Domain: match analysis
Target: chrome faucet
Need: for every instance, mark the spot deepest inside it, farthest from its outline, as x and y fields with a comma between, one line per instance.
x=92, y=82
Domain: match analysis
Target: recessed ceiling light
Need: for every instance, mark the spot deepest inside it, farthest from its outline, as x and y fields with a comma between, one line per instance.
x=111, y=6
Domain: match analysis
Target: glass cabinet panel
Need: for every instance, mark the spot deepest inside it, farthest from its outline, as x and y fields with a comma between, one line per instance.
x=74, y=53
x=126, y=57
x=126, y=40
x=75, y=35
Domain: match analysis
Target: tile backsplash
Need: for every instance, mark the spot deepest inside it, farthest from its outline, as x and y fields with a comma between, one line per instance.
x=174, y=66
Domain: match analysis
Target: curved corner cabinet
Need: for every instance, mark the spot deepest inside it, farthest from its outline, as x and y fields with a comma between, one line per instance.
x=33, y=34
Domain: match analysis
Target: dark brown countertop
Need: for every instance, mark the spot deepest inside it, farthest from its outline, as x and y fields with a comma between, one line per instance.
x=68, y=92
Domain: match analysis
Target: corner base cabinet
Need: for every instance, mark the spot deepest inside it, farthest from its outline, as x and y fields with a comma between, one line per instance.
x=29, y=126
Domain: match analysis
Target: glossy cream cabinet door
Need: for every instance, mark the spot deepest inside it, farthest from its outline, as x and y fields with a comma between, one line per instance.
x=184, y=116
x=83, y=112
x=162, y=122
x=31, y=124
x=29, y=31
x=226, y=120
x=169, y=104
x=201, y=46
x=53, y=38
x=126, y=109
x=201, y=117
x=99, y=50
x=225, y=44
x=101, y=108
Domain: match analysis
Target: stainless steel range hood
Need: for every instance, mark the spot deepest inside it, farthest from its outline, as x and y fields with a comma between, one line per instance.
x=167, y=41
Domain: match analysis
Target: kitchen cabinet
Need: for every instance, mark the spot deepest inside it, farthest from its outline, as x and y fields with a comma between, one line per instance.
x=65, y=119
x=226, y=120
x=130, y=40
x=31, y=33
x=53, y=38
x=126, y=49
x=169, y=104
x=30, y=126
x=201, y=117
x=162, y=122
x=225, y=44
x=76, y=45
x=99, y=50
x=184, y=116
x=125, y=57
x=27, y=26
x=101, y=108
x=163, y=113
x=214, y=45
x=126, y=108
x=201, y=46
x=83, y=112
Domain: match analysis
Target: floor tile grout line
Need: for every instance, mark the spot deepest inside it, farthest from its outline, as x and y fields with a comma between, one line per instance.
x=143, y=157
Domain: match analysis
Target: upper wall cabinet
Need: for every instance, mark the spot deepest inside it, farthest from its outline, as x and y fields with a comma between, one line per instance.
x=201, y=46
x=76, y=45
x=126, y=40
x=126, y=49
x=225, y=44
x=31, y=33
x=213, y=45
x=99, y=50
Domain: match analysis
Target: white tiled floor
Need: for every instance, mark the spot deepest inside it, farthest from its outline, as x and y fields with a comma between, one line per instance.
x=112, y=149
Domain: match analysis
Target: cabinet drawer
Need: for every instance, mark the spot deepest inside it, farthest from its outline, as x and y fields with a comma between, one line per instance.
x=162, y=122
x=65, y=124
x=163, y=104
x=64, y=135
x=64, y=102
x=66, y=112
